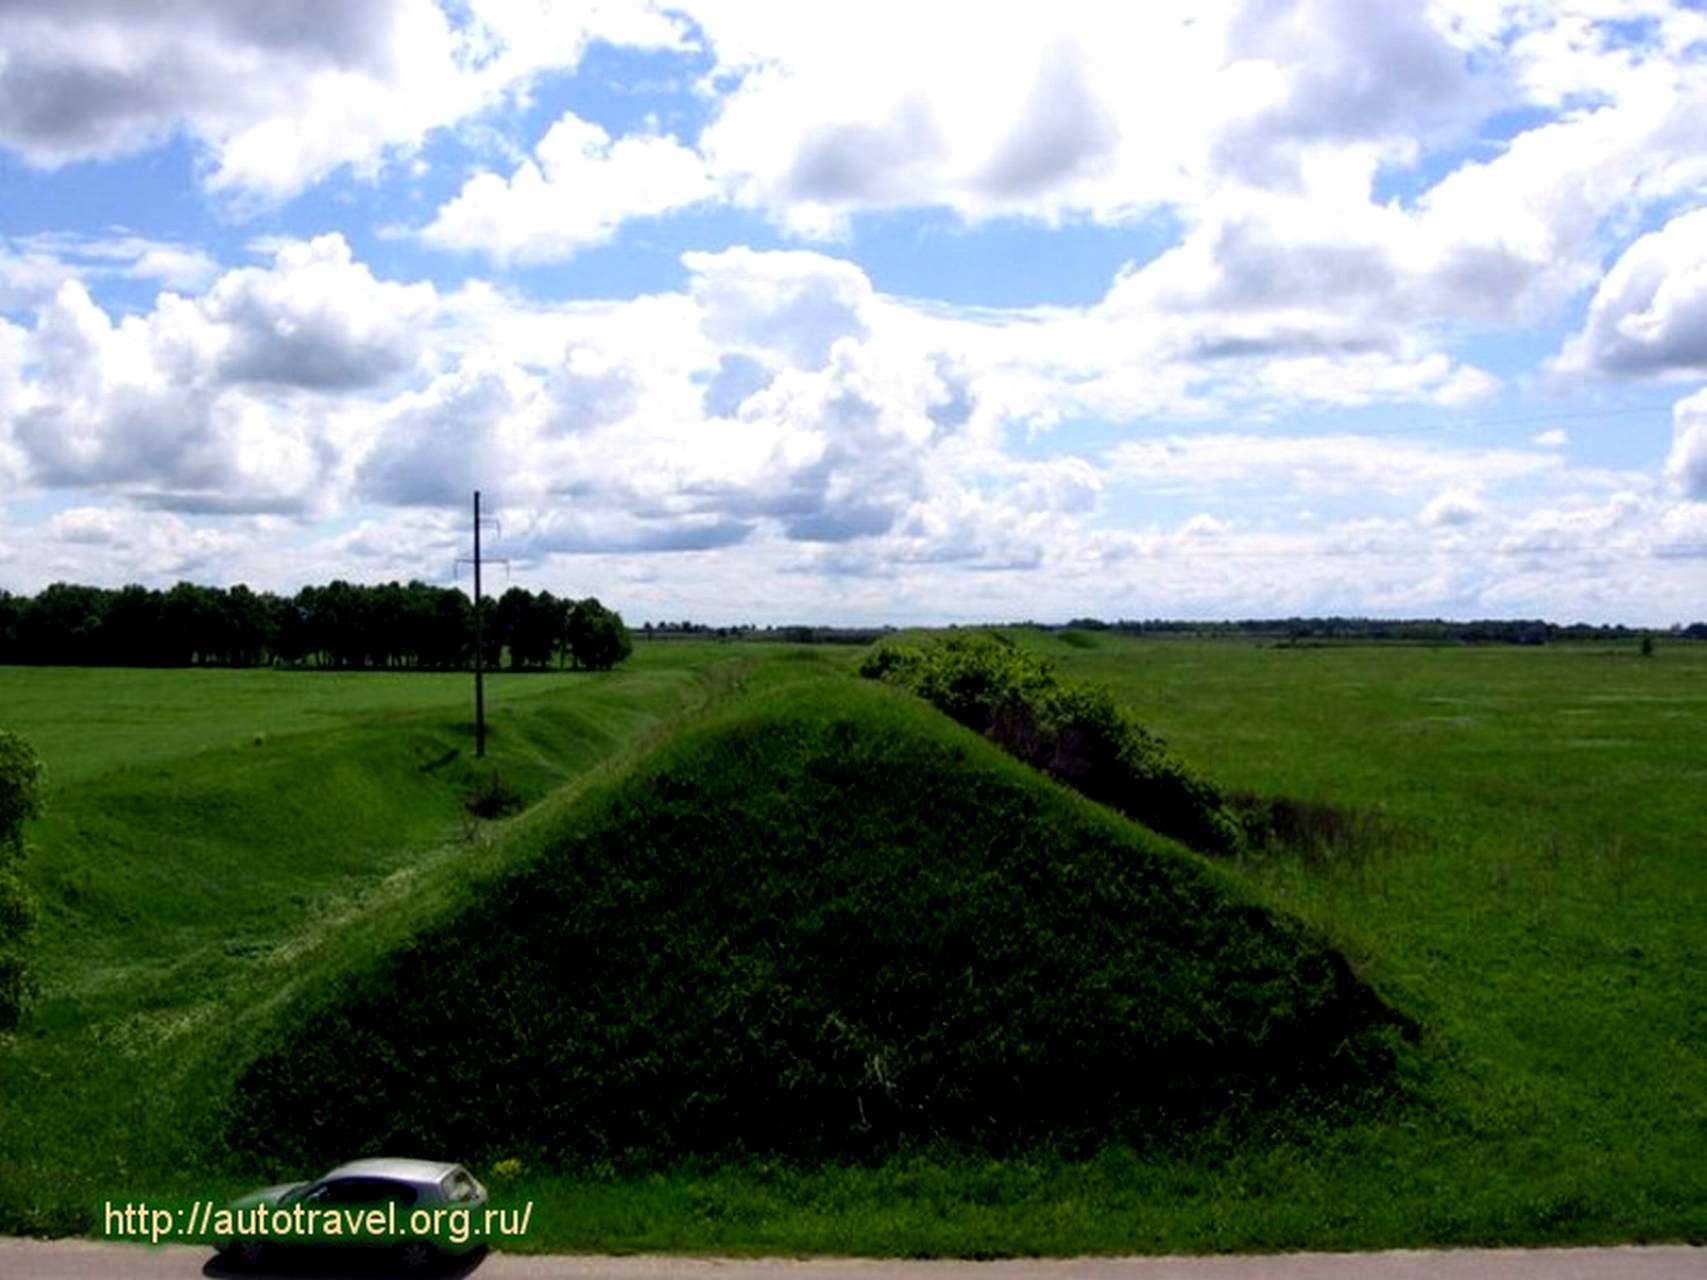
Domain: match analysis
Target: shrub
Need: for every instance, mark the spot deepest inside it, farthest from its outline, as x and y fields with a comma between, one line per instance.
x=1072, y=730
x=1314, y=832
x=492, y=797
x=20, y=800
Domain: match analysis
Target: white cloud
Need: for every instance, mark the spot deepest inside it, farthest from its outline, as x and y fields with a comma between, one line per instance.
x=795, y=306
x=1649, y=315
x=1333, y=465
x=1060, y=111
x=578, y=187
x=1552, y=438
x=316, y=318
x=116, y=545
x=1453, y=509
x=1686, y=465
x=280, y=95
x=213, y=403
x=863, y=460
x=469, y=429
x=32, y=267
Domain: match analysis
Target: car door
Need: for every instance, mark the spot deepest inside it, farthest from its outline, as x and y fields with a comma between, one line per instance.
x=358, y=1195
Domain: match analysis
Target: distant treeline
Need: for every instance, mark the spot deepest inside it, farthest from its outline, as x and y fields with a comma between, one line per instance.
x=1429, y=630
x=798, y=633
x=342, y=624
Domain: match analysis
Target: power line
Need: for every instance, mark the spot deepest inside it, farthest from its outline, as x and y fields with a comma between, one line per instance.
x=1571, y=415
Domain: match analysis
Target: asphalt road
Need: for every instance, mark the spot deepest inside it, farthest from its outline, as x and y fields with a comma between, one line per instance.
x=96, y=1260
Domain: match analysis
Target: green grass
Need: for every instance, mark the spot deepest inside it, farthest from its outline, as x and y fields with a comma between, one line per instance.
x=824, y=923
x=208, y=849
x=1535, y=897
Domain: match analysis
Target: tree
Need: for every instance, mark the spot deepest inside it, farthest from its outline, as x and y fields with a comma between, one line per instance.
x=62, y=625
x=11, y=613
x=532, y=626
x=595, y=636
x=135, y=618
x=20, y=800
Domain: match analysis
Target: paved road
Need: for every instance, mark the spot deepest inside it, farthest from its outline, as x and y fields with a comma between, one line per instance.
x=95, y=1260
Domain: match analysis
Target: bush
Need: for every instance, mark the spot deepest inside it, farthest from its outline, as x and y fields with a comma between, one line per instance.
x=492, y=797
x=1316, y=833
x=1074, y=731
x=20, y=800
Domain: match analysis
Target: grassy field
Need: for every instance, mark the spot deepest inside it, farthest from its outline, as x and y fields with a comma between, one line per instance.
x=210, y=839
x=1523, y=874
x=1533, y=885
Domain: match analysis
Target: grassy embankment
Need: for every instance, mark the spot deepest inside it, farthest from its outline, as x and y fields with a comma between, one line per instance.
x=209, y=839
x=823, y=923
x=1529, y=885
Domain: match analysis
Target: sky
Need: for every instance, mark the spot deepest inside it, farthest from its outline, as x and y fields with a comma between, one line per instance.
x=875, y=313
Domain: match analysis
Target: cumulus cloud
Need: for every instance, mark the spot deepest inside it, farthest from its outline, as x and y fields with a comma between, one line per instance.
x=794, y=305
x=467, y=430
x=1649, y=314
x=1686, y=465
x=279, y=95
x=1341, y=72
x=1453, y=509
x=575, y=190
x=590, y=388
x=32, y=267
x=315, y=318
x=776, y=423
x=1342, y=464
x=116, y=545
x=835, y=111
x=737, y=376
x=217, y=402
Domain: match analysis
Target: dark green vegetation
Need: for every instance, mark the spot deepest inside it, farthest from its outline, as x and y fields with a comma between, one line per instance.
x=1073, y=730
x=1505, y=841
x=20, y=800
x=826, y=923
x=341, y=625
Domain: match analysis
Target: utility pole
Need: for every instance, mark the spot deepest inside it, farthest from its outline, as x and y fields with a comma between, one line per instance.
x=479, y=646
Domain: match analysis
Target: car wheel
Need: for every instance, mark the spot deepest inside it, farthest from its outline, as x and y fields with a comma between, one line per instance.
x=246, y=1253
x=417, y=1257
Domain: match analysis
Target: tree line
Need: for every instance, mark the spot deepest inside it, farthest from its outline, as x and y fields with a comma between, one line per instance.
x=344, y=625
x=1417, y=630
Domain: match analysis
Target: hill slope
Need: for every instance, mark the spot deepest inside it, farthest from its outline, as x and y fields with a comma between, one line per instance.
x=822, y=922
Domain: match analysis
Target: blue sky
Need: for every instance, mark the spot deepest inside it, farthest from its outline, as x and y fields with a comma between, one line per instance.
x=876, y=313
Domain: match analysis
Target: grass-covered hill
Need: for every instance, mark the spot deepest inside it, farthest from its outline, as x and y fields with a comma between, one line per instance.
x=824, y=921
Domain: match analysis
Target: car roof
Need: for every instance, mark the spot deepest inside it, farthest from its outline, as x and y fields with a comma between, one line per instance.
x=417, y=1172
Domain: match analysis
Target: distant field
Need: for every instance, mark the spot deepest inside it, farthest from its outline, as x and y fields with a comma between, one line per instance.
x=1526, y=878
x=1540, y=898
